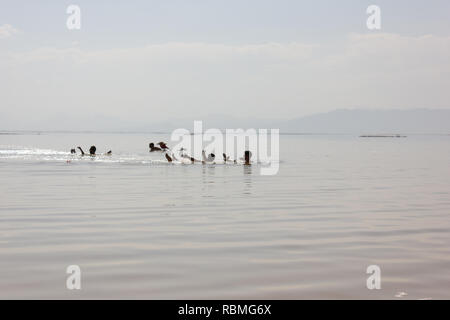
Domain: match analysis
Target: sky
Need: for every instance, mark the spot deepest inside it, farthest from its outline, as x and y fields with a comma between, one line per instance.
x=142, y=62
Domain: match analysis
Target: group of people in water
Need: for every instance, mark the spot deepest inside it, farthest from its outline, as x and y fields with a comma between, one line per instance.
x=162, y=147
x=205, y=158
x=92, y=151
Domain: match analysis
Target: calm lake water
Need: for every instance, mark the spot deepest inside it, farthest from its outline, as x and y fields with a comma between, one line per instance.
x=145, y=229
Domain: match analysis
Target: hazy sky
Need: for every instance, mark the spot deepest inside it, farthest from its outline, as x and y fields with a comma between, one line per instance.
x=150, y=61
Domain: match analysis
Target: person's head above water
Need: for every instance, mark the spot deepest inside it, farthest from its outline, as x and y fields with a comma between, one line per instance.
x=72, y=151
x=163, y=145
x=208, y=158
x=92, y=150
x=153, y=148
x=211, y=157
x=247, y=156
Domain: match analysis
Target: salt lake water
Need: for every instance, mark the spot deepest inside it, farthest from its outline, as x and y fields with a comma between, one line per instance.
x=142, y=228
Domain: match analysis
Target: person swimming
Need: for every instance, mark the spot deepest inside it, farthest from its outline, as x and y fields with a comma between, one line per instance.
x=169, y=159
x=73, y=151
x=247, y=156
x=245, y=159
x=172, y=157
x=82, y=152
x=92, y=151
x=163, y=145
x=153, y=148
x=227, y=158
x=186, y=156
x=209, y=158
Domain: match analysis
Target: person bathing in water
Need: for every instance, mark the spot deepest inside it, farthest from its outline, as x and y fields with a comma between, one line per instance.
x=210, y=158
x=163, y=145
x=227, y=158
x=153, y=148
x=206, y=159
x=169, y=159
x=163, y=148
x=186, y=156
x=246, y=158
x=92, y=151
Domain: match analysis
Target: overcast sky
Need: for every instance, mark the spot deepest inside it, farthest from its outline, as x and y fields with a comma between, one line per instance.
x=150, y=61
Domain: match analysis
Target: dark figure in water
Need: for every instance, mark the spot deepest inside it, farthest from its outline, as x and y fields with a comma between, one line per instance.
x=190, y=158
x=227, y=158
x=247, y=156
x=153, y=148
x=91, y=151
x=168, y=157
x=186, y=156
x=163, y=145
x=108, y=153
x=82, y=152
x=73, y=151
x=209, y=158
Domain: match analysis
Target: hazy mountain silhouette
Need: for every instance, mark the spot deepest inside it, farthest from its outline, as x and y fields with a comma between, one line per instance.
x=417, y=121
x=372, y=122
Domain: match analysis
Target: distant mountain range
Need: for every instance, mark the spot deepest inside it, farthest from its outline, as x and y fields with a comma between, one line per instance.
x=357, y=121
x=424, y=121
x=418, y=121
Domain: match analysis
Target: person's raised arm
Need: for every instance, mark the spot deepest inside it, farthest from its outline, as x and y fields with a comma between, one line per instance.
x=82, y=152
